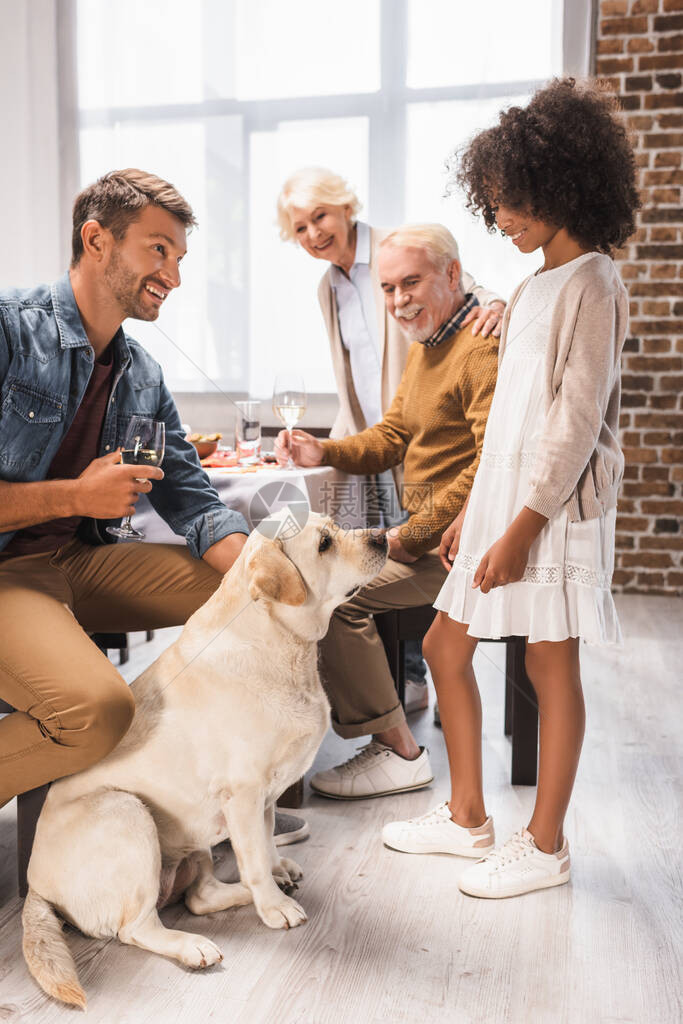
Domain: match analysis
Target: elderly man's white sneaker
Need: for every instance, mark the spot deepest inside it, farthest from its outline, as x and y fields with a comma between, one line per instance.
x=517, y=868
x=374, y=771
x=436, y=832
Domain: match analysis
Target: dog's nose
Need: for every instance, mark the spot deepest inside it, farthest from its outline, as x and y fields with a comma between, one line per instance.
x=377, y=539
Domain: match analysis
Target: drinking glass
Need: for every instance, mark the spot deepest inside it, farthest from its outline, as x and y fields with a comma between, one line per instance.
x=289, y=404
x=248, y=432
x=143, y=445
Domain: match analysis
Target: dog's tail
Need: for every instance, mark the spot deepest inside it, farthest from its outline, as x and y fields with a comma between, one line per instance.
x=47, y=953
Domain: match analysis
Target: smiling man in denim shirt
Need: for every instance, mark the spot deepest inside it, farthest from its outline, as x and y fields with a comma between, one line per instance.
x=70, y=379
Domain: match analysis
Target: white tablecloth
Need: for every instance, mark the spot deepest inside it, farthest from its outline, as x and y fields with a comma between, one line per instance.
x=254, y=494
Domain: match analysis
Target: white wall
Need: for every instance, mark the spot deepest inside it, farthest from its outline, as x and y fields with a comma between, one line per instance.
x=38, y=147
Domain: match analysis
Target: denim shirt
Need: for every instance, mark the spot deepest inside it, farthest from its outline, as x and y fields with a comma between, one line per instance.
x=46, y=362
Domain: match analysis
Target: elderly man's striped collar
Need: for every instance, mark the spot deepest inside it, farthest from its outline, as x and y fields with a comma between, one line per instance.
x=451, y=326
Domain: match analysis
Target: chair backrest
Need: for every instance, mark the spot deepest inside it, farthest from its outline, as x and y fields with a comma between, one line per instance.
x=413, y=623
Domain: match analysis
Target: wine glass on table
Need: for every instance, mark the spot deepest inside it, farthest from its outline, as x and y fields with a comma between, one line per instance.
x=143, y=445
x=289, y=404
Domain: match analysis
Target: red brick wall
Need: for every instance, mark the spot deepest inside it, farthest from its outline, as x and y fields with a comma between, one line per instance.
x=639, y=50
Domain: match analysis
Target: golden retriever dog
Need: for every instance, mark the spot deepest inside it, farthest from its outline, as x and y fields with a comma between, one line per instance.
x=227, y=718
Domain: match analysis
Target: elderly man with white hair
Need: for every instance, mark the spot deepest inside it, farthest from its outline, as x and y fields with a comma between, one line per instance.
x=318, y=210
x=434, y=427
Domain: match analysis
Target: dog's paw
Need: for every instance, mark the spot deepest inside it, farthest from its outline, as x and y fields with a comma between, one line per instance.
x=282, y=878
x=292, y=869
x=197, y=951
x=285, y=913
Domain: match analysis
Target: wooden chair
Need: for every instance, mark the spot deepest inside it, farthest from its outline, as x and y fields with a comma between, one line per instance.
x=117, y=642
x=114, y=642
x=521, y=709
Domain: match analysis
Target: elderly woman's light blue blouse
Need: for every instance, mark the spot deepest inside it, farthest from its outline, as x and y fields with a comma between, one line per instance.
x=358, y=326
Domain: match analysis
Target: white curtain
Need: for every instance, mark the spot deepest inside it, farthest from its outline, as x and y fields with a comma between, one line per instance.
x=39, y=164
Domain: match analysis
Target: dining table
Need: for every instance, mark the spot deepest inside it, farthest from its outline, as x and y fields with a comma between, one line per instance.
x=264, y=489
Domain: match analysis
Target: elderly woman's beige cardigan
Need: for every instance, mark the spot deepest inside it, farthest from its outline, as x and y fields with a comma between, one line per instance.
x=579, y=462
x=393, y=341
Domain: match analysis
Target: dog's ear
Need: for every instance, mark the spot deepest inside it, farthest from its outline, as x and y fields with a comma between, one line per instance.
x=274, y=576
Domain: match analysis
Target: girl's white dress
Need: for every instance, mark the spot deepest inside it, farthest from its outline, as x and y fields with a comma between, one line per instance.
x=565, y=590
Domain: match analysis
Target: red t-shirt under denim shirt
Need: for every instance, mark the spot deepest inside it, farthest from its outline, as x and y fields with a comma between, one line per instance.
x=79, y=447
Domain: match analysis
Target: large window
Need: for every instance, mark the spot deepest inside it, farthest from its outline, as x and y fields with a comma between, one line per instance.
x=226, y=98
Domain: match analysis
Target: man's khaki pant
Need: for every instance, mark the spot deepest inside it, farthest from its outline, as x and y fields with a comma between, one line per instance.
x=73, y=707
x=354, y=666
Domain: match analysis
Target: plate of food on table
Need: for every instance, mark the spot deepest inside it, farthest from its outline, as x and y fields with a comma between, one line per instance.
x=212, y=456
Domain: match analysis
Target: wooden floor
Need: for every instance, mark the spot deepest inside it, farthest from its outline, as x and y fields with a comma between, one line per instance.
x=391, y=939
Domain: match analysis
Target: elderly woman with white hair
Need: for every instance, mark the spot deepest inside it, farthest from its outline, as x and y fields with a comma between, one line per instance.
x=318, y=210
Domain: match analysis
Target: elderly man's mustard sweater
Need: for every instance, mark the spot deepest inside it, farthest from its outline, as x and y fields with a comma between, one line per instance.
x=435, y=426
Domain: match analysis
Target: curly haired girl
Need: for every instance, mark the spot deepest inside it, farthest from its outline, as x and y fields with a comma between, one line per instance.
x=532, y=552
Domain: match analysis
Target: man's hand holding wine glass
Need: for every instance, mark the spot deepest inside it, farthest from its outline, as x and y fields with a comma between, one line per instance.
x=143, y=445
x=304, y=449
x=106, y=489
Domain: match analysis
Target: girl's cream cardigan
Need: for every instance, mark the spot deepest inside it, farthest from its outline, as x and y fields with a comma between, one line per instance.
x=579, y=462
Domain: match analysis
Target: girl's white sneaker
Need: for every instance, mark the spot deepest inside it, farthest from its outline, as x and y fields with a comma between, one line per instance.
x=518, y=867
x=436, y=832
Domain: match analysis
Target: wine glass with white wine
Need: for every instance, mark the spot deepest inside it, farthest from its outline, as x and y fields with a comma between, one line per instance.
x=143, y=445
x=289, y=404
